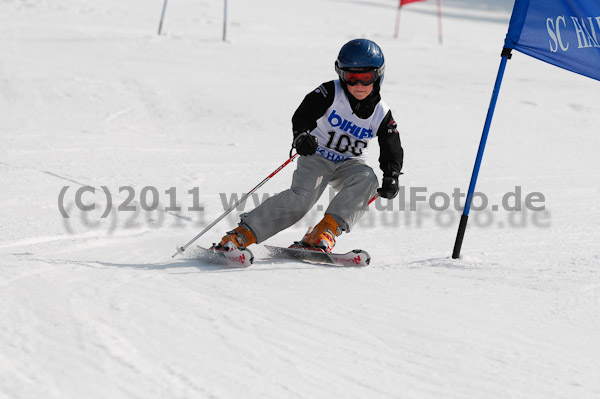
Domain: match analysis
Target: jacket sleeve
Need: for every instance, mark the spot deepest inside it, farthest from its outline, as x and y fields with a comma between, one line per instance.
x=391, y=154
x=314, y=106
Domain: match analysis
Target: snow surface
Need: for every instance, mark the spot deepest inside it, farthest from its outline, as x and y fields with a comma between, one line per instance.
x=95, y=307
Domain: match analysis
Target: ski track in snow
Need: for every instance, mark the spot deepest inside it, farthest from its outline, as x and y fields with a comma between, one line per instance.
x=97, y=308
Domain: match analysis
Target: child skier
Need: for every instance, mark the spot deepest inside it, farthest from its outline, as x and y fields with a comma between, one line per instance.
x=332, y=128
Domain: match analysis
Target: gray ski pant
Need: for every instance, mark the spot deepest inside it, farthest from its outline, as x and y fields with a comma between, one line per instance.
x=354, y=180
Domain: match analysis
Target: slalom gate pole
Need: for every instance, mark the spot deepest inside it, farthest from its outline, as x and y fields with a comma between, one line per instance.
x=506, y=55
x=224, y=20
x=397, y=27
x=439, y=12
x=180, y=250
x=162, y=17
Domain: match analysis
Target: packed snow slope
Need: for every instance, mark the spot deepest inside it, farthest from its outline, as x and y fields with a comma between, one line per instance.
x=93, y=305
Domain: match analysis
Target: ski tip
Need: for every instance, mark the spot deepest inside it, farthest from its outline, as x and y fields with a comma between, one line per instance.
x=367, y=259
x=239, y=257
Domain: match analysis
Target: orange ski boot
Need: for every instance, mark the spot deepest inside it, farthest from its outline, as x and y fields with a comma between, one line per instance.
x=241, y=236
x=322, y=236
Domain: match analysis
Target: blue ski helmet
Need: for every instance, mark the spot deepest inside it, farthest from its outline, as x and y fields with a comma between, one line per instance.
x=360, y=55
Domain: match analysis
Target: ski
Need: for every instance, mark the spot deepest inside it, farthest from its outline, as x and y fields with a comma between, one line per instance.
x=354, y=258
x=239, y=257
x=243, y=257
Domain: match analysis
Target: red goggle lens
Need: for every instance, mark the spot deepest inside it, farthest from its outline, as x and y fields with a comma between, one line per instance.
x=352, y=78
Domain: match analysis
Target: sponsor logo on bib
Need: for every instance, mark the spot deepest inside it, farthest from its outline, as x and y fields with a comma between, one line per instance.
x=345, y=125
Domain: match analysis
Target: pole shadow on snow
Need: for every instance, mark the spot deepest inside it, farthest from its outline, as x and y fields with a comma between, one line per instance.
x=202, y=267
x=97, y=264
x=176, y=264
x=466, y=263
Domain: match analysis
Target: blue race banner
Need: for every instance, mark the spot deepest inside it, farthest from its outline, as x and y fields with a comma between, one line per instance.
x=565, y=33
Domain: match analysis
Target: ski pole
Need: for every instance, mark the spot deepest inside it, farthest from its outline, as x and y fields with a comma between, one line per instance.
x=180, y=250
x=373, y=199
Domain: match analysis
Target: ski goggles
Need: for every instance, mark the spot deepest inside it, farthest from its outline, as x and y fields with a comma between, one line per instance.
x=352, y=78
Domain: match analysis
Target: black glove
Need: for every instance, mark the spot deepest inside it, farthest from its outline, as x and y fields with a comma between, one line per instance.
x=305, y=143
x=389, y=187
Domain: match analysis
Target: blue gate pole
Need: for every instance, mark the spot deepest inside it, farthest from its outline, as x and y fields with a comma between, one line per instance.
x=506, y=55
x=225, y=20
x=162, y=17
